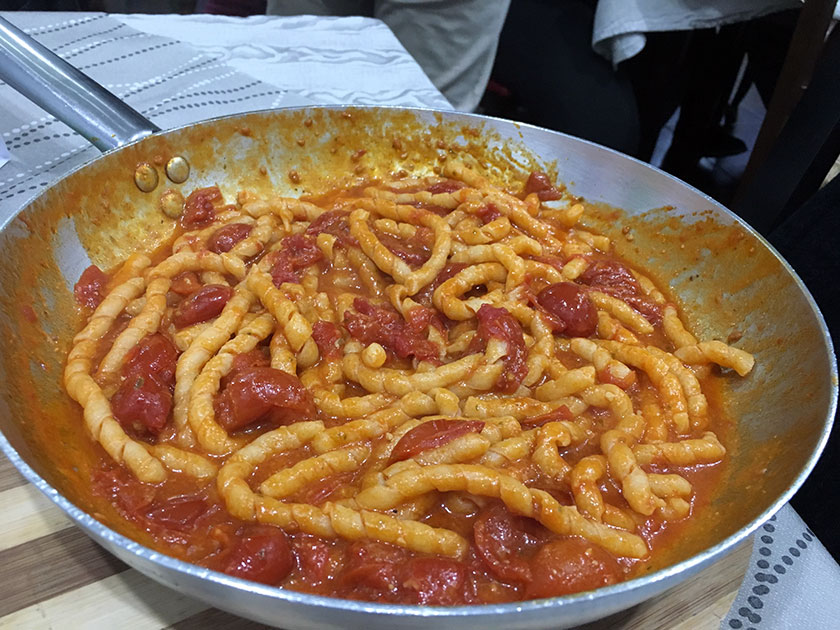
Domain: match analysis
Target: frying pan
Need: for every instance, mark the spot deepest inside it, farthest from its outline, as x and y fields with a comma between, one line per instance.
x=729, y=278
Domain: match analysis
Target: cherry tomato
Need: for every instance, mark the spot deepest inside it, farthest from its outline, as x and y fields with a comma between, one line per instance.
x=204, y=304
x=432, y=434
x=570, y=305
x=502, y=542
x=570, y=565
x=540, y=184
x=199, y=207
x=223, y=239
x=153, y=356
x=142, y=404
x=434, y=581
x=262, y=555
x=258, y=392
x=89, y=290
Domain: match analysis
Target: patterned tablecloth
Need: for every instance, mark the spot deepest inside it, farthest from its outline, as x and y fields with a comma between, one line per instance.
x=180, y=69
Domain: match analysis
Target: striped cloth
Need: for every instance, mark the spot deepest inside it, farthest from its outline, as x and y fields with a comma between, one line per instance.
x=176, y=70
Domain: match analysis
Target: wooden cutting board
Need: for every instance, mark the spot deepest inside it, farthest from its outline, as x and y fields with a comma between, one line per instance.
x=53, y=576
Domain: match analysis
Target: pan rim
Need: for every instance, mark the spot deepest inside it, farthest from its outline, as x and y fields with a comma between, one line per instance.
x=99, y=531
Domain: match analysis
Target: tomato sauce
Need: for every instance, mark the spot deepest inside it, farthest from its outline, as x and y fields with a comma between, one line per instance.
x=510, y=557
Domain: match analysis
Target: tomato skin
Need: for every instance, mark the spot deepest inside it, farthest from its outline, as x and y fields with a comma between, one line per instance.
x=412, y=251
x=89, y=291
x=224, y=239
x=613, y=278
x=500, y=542
x=333, y=222
x=432, y=434
x=555, y=415
x=257, y=392
x=570, y=565
x=261, y=555
x=199, y=207
x=569, y=304
x=178, y=513
x=445, y=186
x=204, y=304
x=434, y=581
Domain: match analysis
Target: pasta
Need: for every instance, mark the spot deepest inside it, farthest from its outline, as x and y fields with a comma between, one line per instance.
x=414, y=390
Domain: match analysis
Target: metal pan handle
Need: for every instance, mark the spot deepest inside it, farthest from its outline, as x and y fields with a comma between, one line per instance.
x=66, y=93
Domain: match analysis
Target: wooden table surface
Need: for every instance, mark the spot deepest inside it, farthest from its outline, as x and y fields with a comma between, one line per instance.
x=54, y=576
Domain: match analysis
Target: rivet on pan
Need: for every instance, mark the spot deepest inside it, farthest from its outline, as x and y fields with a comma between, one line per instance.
x=178, y=169
x=146, y=177
x=171, y=203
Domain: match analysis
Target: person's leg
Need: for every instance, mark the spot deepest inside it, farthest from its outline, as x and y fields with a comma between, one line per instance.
x=546, y=60
x=454, y=41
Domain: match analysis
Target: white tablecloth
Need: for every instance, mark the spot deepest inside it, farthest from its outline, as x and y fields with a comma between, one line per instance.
x=179, y=69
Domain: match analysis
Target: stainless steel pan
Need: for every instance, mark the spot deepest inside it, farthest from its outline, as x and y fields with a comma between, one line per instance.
x=730, y=279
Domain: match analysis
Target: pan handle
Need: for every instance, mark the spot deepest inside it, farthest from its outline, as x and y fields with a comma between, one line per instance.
x=68, y=94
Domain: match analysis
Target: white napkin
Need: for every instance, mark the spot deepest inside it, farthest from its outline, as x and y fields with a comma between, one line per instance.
x=792, y=582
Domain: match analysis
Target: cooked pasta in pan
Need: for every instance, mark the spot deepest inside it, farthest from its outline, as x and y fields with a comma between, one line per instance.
x=419, y=390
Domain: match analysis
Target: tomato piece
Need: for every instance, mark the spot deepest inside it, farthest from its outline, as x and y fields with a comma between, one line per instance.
x=223, y=239
x=316, y=492
x=412, y=251
x=204, y=304
x=297, y=252
x=445, y=186
x=435, y=581
x=253, y=358
x=502, y=543
x=432, y=434
x=555, y=415
x=185, y=283
x=262, y=392
x=313, y=558
x=144, y=399
x=613, y=278
x=89, y=291
x=383, y=325
x=570, y=565
x=373, y=565
x=199, y=207
x=540, y=183
x=333, y=222
x=488, y=213
x=327, y=337
x=262, y=555
x=142, y=404
x=178, y=513
x=574, y=313
x=122, y=489
x=155, y=357
x=499, y=323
